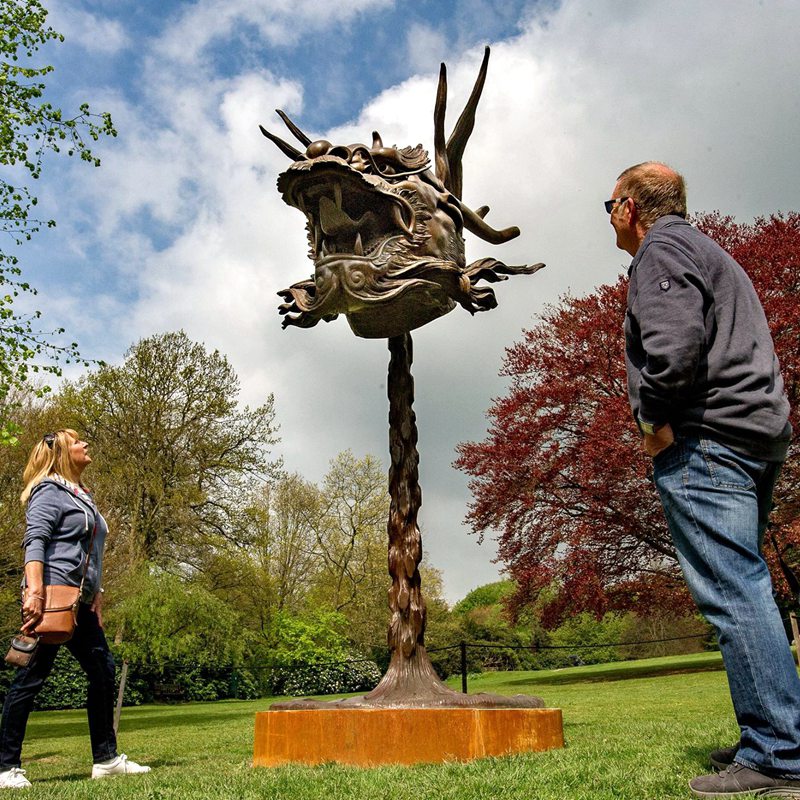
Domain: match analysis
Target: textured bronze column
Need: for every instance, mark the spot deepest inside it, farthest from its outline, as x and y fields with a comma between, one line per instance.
x=411, y=680
x=407, y=606
x=410, y=674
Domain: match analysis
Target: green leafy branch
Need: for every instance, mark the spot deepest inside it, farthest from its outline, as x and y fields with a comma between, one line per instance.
x=30, y=126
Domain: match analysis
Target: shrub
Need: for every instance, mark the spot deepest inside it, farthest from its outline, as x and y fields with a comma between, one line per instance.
x=310, y=655
x=585, y=629
x=66, y=685
x=340, y=678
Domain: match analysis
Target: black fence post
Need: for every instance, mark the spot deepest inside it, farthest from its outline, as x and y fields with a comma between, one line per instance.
x=464, y=667
x=233, y=685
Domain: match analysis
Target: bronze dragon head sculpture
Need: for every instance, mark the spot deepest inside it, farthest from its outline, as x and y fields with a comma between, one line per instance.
x=386, y=233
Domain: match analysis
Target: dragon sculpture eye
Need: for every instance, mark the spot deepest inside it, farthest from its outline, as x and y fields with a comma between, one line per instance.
x=319, y=148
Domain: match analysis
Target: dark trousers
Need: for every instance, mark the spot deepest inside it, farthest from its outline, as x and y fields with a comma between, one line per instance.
x=90, y=648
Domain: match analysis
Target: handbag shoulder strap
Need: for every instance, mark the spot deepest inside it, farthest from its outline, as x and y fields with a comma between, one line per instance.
x=88, y=555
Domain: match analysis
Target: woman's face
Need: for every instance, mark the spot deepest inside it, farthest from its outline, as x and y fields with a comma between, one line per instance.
x=79, y=455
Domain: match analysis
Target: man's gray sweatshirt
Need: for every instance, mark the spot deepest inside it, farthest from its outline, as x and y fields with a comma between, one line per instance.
x=59, y=528
x=698, y=347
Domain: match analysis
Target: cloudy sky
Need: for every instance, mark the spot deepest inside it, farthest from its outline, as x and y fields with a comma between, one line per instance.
x=182, y=226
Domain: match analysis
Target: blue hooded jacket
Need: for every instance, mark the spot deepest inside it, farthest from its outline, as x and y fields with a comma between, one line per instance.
x=60, y=521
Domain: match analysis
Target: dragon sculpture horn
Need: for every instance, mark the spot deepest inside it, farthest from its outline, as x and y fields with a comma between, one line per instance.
x=439, y=145
x=475, y=224
x=296, y=132
x=285, y=148
x=449, y=155
x=461, y=133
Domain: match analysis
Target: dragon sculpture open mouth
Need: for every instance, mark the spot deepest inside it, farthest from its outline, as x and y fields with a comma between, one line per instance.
x=385, y=233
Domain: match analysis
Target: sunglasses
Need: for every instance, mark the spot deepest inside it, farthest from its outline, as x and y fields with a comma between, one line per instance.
x=609, y=204
x=48, y=439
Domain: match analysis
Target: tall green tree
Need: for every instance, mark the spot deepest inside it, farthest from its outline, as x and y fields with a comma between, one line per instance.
x=352, y=543
x=284, y=545
x=30, y=127
x=177, y=457
x=270, y=571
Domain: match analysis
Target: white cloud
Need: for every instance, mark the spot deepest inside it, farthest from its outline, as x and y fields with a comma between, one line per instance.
x=567, y=105
x=91, y=31
x=278, y=22
x=426, y=47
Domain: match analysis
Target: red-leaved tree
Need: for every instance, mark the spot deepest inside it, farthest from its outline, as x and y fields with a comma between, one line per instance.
x=561, y=478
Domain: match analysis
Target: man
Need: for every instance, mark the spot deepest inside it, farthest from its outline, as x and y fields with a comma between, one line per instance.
x=706, y=391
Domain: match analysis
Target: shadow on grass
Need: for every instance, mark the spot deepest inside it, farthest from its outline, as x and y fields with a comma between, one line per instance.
x=73, y=777
x=699, y=755
x=626, y=672
x=70, y=778
x=140, y=722
x=599, y=673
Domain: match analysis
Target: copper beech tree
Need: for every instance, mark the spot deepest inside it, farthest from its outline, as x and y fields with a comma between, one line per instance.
x=561, y=477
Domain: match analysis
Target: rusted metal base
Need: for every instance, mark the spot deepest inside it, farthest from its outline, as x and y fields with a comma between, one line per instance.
x=370, y=737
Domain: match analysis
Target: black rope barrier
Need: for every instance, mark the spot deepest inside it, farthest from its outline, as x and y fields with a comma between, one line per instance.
x=536, y=647
x=463, y=646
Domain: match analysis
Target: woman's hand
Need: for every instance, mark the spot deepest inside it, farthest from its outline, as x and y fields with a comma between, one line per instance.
x=32, y=609
x=97, y=607
x=33, y=598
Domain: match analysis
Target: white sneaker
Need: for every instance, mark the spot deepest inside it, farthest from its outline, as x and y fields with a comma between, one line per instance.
x=13, y=778
x=121, y=765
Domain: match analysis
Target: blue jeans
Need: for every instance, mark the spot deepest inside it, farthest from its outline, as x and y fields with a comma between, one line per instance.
x=90, y=649
x=717, y=504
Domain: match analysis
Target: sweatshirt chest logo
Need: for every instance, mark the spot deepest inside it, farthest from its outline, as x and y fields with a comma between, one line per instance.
x=664, y=285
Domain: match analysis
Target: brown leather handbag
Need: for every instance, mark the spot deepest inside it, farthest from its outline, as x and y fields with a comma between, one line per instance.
x=60, y=613
x=61, y=607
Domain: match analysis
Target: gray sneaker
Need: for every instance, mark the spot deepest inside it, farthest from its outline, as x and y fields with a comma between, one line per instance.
x=722, y=758
x=739, y=781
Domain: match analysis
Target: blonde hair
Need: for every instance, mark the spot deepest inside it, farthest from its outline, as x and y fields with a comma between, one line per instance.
x=50, y=456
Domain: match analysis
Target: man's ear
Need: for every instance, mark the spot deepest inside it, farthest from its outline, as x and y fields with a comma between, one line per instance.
x=634, y=219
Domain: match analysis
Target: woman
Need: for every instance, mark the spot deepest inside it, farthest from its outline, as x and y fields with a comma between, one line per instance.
x=61, y=519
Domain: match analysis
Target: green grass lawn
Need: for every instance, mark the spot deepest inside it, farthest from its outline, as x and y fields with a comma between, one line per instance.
x=635, y=730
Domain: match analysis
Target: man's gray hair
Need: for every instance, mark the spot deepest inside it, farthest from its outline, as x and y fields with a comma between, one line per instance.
x=656, y=189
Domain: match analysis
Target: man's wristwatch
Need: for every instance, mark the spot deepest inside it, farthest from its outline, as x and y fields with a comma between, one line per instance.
x=648, y=427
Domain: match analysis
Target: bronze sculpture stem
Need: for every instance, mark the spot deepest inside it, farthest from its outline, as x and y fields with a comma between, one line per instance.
x=407, y=606
x=410, y=674
x=410, y=681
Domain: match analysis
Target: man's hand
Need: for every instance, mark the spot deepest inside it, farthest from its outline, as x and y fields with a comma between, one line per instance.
x=654, y=443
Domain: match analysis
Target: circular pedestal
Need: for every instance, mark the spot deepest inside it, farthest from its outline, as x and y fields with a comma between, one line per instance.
x=368, y=737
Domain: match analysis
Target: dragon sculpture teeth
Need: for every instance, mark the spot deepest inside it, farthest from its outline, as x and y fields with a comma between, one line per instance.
x=385, y=232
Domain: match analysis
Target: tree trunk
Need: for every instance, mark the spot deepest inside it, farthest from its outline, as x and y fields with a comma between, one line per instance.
x=122, y=680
